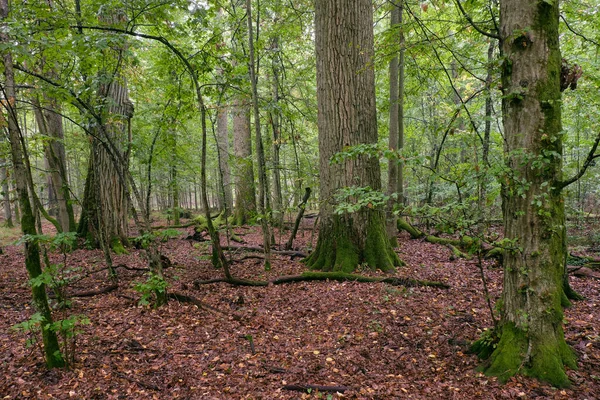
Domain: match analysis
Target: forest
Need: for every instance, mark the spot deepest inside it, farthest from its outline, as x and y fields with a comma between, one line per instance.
x=315, y=199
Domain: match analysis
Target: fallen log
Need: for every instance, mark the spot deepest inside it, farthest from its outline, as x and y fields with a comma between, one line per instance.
x=324, y=276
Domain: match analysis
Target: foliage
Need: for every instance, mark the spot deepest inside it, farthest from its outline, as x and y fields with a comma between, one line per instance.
x=149, y=289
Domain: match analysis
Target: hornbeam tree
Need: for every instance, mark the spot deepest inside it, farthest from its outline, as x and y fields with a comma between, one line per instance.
x=347, y=118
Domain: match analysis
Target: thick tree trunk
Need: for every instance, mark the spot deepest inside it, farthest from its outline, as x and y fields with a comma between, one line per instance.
x=531, y=334
x=347, y=117
x=105, y=187
x=245, y=194
x=32, y=251
x=225, y=172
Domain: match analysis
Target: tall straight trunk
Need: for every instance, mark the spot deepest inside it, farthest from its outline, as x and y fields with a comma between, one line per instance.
x=393, y=134
x=50, y=124
x=485, y=162
x=175, y=194
x=532, y=341
x=276, y=127
x=245, y=192
x=263, y=190
x=401, y=78
x=5, y=192
x=32, y=251
x=347, y=117
x=223, y=147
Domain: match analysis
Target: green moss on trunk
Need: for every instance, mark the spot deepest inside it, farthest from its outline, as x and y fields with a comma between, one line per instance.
x=340, y=248
x=543, y=358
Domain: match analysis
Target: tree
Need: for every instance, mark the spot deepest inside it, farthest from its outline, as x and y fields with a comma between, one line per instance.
x=105, y=205
x=50, y=124
x=347, y=118
x=531, y=338
x=32, y=250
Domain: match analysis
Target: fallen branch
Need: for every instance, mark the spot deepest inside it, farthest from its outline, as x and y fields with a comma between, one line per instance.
x=324, y=276
x=291, y=253
x=320, y=388
x=182, y=298
x=138, y=382
x=301, y=209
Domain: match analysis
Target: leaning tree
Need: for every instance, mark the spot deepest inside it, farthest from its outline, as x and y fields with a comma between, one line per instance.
x=347, y=119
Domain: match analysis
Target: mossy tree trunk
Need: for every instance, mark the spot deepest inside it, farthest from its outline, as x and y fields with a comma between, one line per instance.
x=32, y=251
x=225, y=193
x=347, y=117
x=531, y=334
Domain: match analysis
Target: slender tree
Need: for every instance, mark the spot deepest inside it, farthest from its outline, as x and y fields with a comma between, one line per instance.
x=347, y=117
x=28, y=227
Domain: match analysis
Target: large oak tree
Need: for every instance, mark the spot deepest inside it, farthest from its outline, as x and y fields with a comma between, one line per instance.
x=347, y=117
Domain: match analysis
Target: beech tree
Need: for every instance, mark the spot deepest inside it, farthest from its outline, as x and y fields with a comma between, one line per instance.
x=531, y=338
x=347, y=118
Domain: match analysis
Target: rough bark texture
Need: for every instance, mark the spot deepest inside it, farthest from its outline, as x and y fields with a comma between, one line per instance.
x=531, y=334
x=347, y=117
x=51, y=126
x=32, y=251
x=245, y=193
x=225, y=172
x=105, y=203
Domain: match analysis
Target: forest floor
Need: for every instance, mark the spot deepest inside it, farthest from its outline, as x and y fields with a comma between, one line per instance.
x=379, y=341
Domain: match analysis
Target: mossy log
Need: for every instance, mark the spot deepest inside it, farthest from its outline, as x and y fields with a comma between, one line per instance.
x=324, y=276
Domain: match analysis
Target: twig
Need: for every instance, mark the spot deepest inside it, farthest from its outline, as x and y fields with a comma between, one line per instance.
x=320, y=388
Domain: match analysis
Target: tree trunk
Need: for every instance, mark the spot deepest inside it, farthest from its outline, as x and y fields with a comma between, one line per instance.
x=245, y=194
x=531, y=334
x=263, y=186
x=111, y=204
x=347, y=117
x=276, y=127
x=50, y=125
x=225, y=172
x=392, y=230
x=5, y=192
x=32, y=251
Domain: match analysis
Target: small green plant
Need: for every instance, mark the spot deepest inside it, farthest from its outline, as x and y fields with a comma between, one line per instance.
x=57, y=276
x=66, y=329
x=154, y=285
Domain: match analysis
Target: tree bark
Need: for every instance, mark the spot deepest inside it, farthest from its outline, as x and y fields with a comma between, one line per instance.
x=50, y=125
x=347, y=117
x=225, y=171
x=263, y=189
x=32, y=251
x=5, y=192
x=393, y=173
x=245, y=193
x=531, y=334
